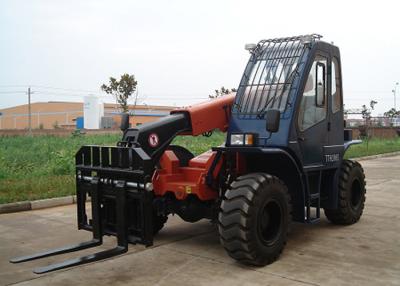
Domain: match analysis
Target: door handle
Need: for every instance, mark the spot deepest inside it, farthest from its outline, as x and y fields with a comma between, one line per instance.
x=301, y=138
x=329, y=126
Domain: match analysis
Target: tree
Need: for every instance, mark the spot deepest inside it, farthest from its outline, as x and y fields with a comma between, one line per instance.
x=392, y=113
x=222, y=91
x=121, y=89
x=364, y=129
x=372, y=104
x=365, y=112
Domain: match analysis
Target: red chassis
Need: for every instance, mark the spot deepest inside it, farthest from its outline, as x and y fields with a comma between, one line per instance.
x=191, y=179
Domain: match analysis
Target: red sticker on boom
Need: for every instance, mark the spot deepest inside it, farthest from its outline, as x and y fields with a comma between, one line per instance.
x=153, y=140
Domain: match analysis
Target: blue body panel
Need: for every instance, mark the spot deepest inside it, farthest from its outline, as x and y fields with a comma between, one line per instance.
x=298, y=157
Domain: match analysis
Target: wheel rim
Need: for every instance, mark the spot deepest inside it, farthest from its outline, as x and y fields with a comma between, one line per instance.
x=356, y=192
x=270, y=222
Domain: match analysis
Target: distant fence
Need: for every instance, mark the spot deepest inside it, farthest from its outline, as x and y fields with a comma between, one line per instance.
x=378, y=132
x=55, y=132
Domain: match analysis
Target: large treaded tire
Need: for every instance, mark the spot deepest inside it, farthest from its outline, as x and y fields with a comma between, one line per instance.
x=251, y=200
x=351, y=194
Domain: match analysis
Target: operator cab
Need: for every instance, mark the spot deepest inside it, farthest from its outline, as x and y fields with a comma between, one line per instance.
x=290, y=97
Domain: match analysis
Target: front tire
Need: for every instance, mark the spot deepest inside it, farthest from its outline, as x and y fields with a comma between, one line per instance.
x=254, y=219
x=351, y=194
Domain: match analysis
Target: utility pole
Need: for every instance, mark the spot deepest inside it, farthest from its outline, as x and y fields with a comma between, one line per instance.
x=29, y=111
x=394, y=94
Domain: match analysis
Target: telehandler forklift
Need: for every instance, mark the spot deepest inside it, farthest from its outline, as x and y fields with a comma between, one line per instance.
x=282, y=161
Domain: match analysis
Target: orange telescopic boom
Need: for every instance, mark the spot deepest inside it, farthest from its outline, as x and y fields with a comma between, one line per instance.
x=209, y=115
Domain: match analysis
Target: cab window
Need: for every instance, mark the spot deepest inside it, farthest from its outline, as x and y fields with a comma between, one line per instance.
x=313, y=102
x=336, y=98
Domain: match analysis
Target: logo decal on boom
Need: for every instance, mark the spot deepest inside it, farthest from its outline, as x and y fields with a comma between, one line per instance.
x=153, y=140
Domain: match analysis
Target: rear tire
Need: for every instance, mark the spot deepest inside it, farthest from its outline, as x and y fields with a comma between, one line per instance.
x=351, y=194
x=254, y=219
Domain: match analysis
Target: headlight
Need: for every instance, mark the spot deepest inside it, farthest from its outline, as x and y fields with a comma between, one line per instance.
x=237, y=139
x=242, y=139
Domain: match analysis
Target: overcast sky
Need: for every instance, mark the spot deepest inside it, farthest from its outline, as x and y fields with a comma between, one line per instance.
x=180, y=51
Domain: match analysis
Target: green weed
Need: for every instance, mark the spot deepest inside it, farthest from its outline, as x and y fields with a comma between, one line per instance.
x=43, y=167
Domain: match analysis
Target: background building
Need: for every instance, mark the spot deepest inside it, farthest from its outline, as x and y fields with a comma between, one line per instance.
x=55, y=114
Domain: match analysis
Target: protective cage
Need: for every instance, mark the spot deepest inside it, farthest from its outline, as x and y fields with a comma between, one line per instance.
x=268, y=78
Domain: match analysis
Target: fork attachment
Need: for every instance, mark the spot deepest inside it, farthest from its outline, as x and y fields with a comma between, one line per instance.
x=120, y=205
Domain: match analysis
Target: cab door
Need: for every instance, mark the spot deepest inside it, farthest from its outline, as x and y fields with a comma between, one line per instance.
x=333, y=151
x=335, y=123
x=312, y=123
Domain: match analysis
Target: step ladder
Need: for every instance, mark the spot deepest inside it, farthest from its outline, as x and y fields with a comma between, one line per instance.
x=313, y=199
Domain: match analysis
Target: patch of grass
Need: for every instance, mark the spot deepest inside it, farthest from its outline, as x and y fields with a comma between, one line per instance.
x=373, y=147
x=23, y=189
x=43, y=167
x=200, y=144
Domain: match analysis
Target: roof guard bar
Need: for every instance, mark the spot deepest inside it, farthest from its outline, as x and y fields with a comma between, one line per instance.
x=303, y=38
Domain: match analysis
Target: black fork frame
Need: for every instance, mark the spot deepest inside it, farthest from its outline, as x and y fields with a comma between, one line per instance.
x=119, y=207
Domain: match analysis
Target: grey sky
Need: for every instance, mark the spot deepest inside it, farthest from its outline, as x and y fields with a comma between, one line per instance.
x=180, y=51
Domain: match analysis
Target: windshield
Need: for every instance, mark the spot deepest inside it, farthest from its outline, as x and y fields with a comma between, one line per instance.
x=266, y=84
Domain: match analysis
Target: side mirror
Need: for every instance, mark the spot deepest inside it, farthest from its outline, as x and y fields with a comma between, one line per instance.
x=273, y=117
x=124, y=121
